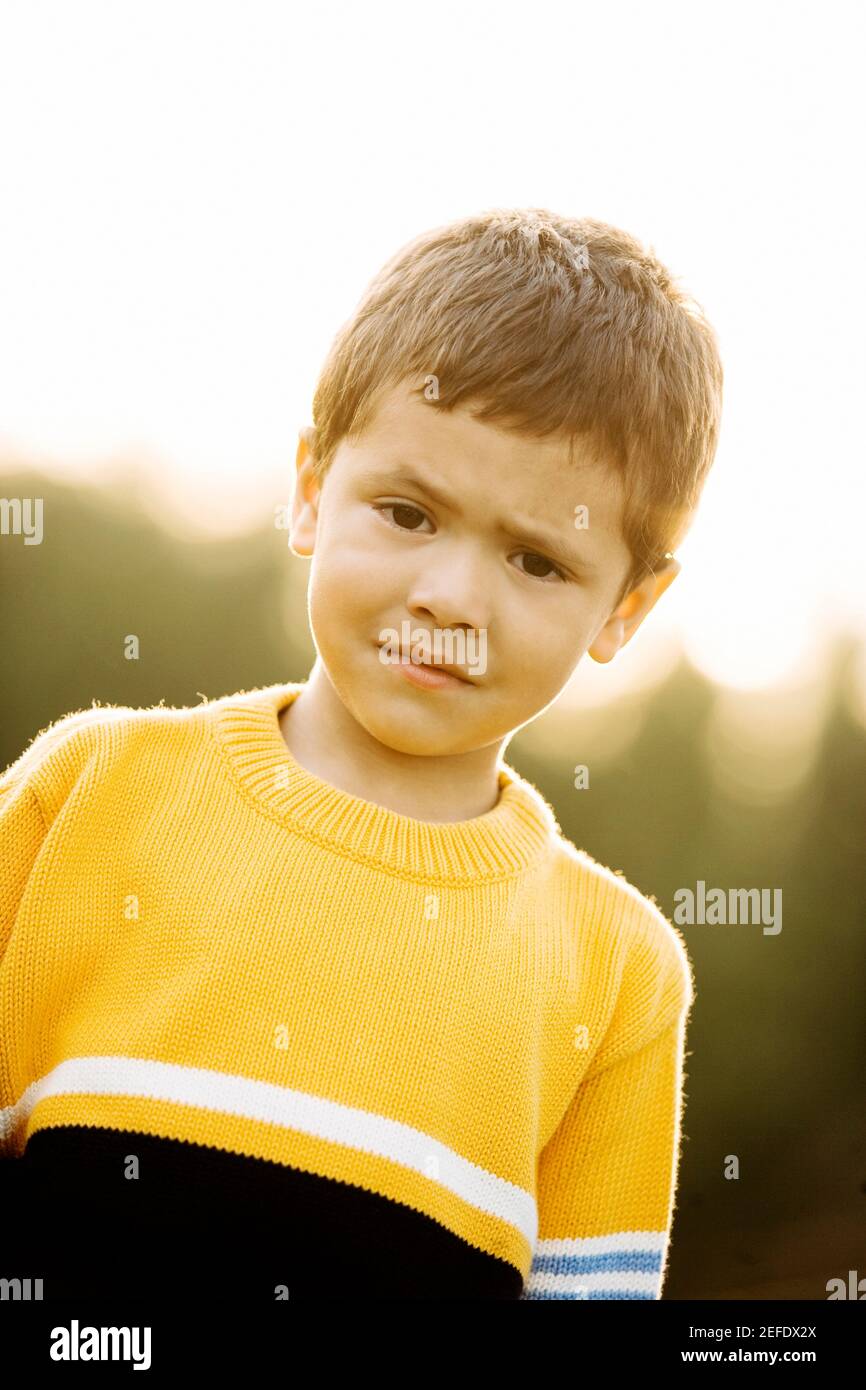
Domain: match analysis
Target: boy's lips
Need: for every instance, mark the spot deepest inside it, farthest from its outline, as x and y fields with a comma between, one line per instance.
x=428, y=669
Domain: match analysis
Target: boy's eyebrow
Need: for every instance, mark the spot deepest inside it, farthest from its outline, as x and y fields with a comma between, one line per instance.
x=540, y=536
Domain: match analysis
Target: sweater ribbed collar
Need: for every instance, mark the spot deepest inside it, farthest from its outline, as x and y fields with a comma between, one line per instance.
x=512, y=836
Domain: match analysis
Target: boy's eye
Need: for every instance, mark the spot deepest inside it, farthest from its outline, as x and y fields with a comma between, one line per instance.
x=540, y=560
x=405, y=509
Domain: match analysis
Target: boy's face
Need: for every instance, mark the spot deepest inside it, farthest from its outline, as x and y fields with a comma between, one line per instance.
x=387, y=552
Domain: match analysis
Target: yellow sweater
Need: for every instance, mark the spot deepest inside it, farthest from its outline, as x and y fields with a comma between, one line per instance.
x=248, y=1016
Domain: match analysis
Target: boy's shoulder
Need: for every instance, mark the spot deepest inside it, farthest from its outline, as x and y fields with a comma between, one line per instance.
x=58, y=754
x=621, y=916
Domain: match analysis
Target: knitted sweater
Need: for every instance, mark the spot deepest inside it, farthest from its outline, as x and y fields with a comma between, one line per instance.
x=260, y=1031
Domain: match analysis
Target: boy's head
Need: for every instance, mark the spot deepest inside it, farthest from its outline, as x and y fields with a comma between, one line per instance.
x=510, y=437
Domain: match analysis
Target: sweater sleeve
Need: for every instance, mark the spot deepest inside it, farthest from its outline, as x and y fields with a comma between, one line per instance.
x=22, y=830
x=48, y=765
x=30, y=787
x=607, y=1179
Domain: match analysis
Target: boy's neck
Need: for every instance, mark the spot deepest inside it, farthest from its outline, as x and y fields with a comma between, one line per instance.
x=324, y=737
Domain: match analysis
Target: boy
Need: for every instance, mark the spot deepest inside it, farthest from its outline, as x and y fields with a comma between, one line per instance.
x=305, y=994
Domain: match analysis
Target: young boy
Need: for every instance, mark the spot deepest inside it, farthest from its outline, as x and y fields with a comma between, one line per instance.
x=304, y=992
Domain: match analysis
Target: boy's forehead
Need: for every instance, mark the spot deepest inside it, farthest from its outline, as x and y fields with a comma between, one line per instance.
x=534, y=476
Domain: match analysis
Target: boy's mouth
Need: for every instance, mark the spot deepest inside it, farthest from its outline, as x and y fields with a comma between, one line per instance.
x=429, y=673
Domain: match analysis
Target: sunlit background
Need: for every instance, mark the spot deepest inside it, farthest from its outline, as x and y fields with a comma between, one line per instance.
x=193, y=199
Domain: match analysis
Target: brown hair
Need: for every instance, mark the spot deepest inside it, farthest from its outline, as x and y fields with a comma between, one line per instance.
x=556, y=326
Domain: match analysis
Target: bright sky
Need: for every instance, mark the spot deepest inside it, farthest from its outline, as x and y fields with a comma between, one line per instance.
x=195, y=195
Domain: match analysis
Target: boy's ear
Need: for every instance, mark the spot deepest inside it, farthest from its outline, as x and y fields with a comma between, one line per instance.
x=625, y=620
x=305, y=504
